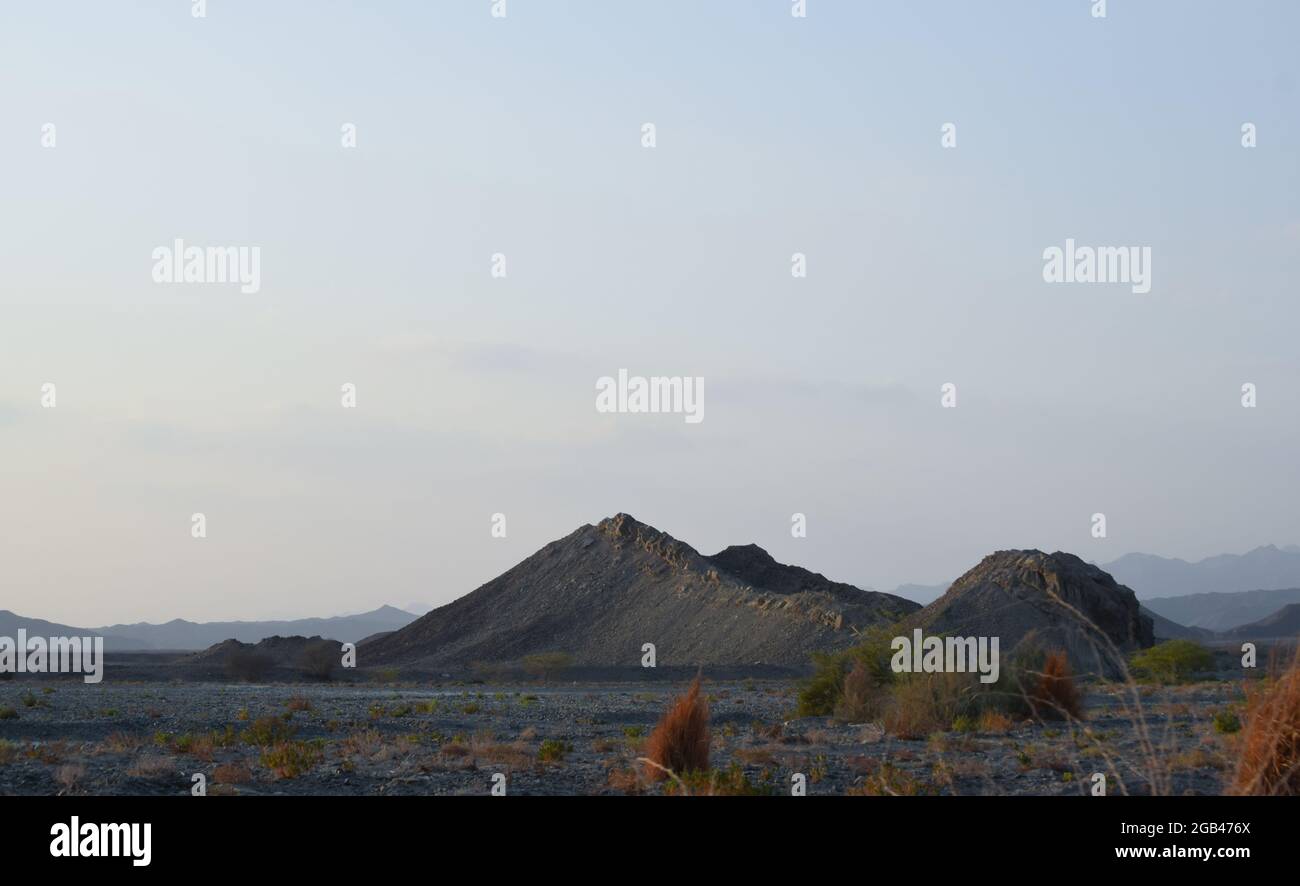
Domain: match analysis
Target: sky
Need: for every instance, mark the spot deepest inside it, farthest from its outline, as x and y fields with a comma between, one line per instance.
x=522, y=136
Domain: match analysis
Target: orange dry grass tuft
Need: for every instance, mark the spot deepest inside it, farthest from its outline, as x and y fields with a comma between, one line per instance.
x=680, y=743
x=1055, y=696
x=1270, y=742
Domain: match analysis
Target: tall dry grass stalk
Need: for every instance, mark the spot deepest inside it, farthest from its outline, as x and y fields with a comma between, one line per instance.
x=1269, y=764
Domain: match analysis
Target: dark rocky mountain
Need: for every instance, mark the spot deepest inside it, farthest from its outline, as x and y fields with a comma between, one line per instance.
x=1268, y=567
x=1223, y=612
x=603, y=591
x=1036, y=601
x=1285, y=623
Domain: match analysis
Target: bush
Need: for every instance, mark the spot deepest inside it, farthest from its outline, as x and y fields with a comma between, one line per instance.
x=8, y=714
x=318, y=660
x=249, y=666
x=921, y=704
x=553, y=751
x=1054, y=696
x=289, y=759
x=1227, y=722
x=545, y=665
x=680, y=743
x=730, y=782
x=267, y=731
x=1174, y=661
x=851, y=685
x=1270, y=743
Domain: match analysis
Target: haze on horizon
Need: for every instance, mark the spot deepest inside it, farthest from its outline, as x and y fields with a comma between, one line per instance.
x=475, y=395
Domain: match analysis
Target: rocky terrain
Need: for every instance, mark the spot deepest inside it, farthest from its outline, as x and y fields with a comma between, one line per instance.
x=604, y=591
x=561, y=738
x=1037, y=601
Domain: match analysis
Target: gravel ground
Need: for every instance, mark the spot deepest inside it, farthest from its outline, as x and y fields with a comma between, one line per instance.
x=151, y=738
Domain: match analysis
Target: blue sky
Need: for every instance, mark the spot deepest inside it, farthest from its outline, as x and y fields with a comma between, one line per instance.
x=522, y=136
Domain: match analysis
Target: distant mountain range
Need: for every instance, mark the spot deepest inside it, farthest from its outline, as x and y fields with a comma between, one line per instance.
x=1264, y=568
x=1283, y=623
x=181, y=635
x=1223, y=612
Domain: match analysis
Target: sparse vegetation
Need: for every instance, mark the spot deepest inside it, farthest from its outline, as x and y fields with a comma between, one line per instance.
x=1054, y=695
x=552, y=750
x=1173, y=661
x=267, y=731
x=1270, y=742
x=1227, y=722
x=680, y=743
x=290, y=759
x=319, y=659
x=545, y=665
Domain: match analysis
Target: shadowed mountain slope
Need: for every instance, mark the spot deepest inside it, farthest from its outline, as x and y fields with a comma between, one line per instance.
x=603, y=591
x=1026, y=599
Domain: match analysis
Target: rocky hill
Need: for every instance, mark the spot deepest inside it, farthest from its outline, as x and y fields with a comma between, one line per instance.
x=1032, y=600
x=603, y=591
x=1285, y=623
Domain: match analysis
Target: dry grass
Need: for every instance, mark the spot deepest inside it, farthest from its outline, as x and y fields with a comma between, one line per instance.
x=995, y=722
x=152, y=766
x=69, y=777
x=862, y=697
x=122, y=743
x=232, y=773
x=298, y=703
x=926, y=703
x=680, y=743
x=1270, y=741
x=1054, y=696
x=290, y=759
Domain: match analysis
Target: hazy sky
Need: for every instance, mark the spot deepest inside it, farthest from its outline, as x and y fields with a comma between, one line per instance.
x=523, y=136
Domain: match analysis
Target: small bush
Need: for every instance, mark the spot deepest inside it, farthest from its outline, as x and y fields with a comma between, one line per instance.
x=921, y=704
x=298, y=703
x=1174, y=661
x=7, y=713
x=1227, y=722
x=553, y=751
x=995, y=722
x=680, y=743
x=318, y=660
x=289, y=759
x=1054, y=696
x=266, y=731
x=730, y=782
x=232, y=773
x=545, y=665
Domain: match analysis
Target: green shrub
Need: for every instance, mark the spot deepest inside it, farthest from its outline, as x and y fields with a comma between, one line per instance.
x=553, y=750
x=267, y=731
x=1227, y=721
x=8, y=714
x=1174, y=661
x=289, y=759
x=547, y=664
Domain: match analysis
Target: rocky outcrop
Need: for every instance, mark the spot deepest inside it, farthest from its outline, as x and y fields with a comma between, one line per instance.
x=1034, y=601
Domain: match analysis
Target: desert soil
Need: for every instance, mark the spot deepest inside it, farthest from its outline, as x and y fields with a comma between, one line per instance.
x=559, y=738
